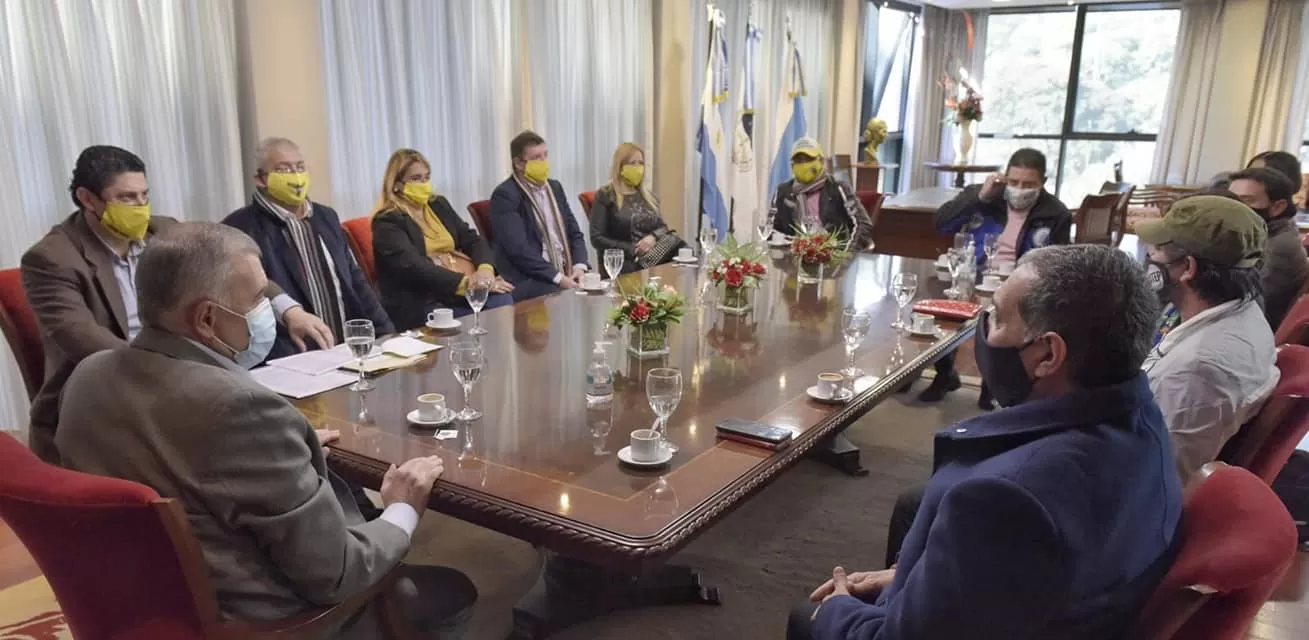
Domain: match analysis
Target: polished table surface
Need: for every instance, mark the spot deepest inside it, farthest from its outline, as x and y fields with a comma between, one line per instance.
x=925, y=200
x=541, y=466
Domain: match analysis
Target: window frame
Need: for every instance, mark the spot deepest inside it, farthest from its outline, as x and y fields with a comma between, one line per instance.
x=1067, y=133
x=894, y=139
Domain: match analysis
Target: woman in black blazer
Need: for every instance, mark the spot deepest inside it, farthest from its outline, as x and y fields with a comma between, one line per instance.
x=626, y=216
x=411, y=226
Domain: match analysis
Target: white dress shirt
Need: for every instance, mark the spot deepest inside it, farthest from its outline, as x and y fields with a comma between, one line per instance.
x=541, y=194
x=1210, y=375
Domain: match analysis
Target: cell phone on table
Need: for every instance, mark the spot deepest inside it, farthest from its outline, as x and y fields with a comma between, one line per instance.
x=755, y=433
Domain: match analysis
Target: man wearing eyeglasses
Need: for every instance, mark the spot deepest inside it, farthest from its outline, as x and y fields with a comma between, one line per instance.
x=304, y=249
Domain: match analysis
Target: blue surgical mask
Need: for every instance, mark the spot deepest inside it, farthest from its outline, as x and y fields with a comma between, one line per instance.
x=262, y=325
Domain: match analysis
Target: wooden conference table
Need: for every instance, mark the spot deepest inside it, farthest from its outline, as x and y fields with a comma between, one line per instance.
x=540, y=466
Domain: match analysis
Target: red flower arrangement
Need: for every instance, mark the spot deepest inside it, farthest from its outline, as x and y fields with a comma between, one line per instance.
x=818, y=248
x=738, y=266
x=651, y=306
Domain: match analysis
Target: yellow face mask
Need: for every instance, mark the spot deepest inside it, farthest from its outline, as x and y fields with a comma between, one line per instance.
x=807, y=172
x=127, y=220
x=632, y=174
x=418, y=192
x=290, y=188
x=537, y=171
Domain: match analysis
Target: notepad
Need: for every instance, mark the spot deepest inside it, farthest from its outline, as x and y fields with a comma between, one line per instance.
x=315, y=362
x=382, y=362
x=406, y=347
x=295, y=384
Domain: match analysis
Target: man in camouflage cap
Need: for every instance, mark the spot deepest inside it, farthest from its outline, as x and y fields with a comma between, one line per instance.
x=1213, y=371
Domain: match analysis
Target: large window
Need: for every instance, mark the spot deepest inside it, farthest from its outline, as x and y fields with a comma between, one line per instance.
x=1084, y=84
x=892, y=28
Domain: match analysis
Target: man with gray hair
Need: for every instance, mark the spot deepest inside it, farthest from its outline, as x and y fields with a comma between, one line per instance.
x=1055, y=517
x=304, y=248
x=1213, y=370
x=279, y=531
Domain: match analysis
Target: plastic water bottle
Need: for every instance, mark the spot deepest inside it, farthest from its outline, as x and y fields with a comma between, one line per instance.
x=599, y=377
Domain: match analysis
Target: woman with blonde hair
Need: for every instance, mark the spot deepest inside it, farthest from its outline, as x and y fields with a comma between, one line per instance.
x=626, y=215
x=426, y=255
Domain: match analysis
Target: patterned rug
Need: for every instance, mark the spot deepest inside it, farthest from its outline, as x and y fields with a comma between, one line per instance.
x=28, y=611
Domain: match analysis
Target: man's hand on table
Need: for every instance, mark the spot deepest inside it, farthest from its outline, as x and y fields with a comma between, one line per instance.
x=304, y=326
x=411, y=482
x=326, y=437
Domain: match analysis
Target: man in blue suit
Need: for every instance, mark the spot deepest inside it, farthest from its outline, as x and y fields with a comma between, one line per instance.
x=304, y=249
x=538, y=245
x=1055, y=517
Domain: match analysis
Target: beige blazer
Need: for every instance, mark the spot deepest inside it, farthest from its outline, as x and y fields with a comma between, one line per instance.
x=69, y=279
x=280, y=534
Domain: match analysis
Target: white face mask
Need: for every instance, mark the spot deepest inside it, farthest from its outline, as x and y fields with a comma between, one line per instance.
x=1021, y=199
x=261, y=324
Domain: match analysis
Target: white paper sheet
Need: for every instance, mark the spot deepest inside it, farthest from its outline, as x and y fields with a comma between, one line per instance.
x=315, y=362
x=406, y=347
x=295, y=384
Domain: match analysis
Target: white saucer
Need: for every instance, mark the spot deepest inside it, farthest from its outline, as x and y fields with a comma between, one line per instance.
x=779, y=243
x=934, y=333
x=691, y=260
x=454, y=324
x=413, y=418
x=595, y=289
x=841, y=397
x=625, y=454
x=988, y=290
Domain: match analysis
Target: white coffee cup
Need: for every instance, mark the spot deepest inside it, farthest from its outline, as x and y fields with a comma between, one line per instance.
x=991, y=281
x=924, y=322
x=441, y=316
x=1004, y=268
x=590, y=279
x=829, y=384
x=646, y=446
x=431, y=407
x=685, y=253
x=943, y=274
x=778, y=236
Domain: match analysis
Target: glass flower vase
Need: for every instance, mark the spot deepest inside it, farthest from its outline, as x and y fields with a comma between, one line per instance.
x=647, y=341
x=809, y=272
x=735, y=301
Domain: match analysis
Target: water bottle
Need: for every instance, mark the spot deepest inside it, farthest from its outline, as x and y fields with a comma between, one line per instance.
x=599, y=377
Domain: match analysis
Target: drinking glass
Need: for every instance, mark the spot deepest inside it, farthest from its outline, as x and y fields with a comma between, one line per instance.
x=476, y=295
x=991, y=246
x=904, y=286
x=766, y=228
x=613, y=264
x=359, y=336
x=962, y=240
x=854, y=328
x=708, y=241
x=663, y=388
x=467, y=360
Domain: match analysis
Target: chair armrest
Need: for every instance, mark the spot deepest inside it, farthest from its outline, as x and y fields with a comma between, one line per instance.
x=312, y=624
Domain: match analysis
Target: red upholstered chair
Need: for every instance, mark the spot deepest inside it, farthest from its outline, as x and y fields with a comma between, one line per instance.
x=480, y=212
x=359, y=233
x=872, y=202
x=587, y=198
x=21, y=330
x=123, y=562
x=1295, y=326
x=1265, y=444
x=1237, y=543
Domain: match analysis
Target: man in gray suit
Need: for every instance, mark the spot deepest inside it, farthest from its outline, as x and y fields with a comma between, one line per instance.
x=280, y=532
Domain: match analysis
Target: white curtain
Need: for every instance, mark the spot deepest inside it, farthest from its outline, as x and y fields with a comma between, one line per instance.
x=591, y=64
x=944, y=41
x=1275, y=79
x=439, y=77
x=1296, y=131
x=156, y=78
x=1177, y=155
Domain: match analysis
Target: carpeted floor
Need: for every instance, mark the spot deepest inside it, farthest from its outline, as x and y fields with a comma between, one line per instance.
x=764, y=557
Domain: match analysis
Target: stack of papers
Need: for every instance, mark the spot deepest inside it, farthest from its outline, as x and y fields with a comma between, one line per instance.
x=313, y=372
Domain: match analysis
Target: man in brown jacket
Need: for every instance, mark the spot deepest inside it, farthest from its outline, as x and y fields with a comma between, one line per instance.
x=80, y=278
x=280, y=533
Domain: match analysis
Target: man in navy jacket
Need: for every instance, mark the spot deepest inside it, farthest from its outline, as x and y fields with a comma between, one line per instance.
x=304, y=249
x=1056, y=517
x=538, y=246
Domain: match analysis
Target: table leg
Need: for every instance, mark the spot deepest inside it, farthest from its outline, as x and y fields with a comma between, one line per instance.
x=958, y=179
x=839, y=452
x=571, y=591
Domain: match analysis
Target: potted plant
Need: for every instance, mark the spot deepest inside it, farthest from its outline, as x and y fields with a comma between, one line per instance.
x=737, y=272
x=814, y=251
x=647, y=314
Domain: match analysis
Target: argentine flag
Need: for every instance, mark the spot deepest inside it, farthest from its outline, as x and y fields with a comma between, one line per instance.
x=715, y=165
x=790, y=114
x=745, y=191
